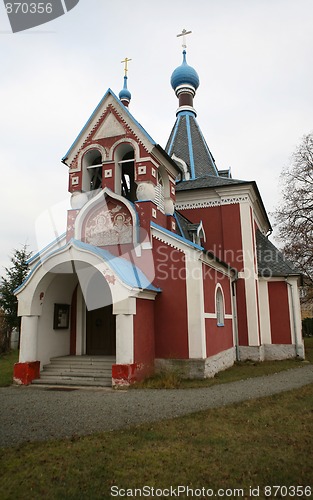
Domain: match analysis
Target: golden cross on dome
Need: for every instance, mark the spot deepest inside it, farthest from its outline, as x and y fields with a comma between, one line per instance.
x=126, y=61
x=183, y=34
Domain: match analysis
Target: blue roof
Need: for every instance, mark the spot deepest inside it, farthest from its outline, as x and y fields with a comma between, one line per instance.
x=129, y=273
x=51, y=244
x=185, y=74
x=176, y=236
x=109, y=91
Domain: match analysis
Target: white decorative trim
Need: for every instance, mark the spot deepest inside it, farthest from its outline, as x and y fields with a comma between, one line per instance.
x=250, y=276
x=215, y=202
x=108, y=173
x=125, y=140
x=153, y=172
x=173, y=225
x=142, y=170
x=213, y=316
x=154, y=213
x=234, y=199
x=195, y=308
x=186, y=108
x=75, y=180
x=148, y=159
x=172, y=242
x=265, y=321
x=218, y=287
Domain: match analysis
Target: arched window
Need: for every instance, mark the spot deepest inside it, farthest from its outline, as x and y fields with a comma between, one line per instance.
x=128, y=185
x=92, y=170
x=219, y=304
x=125, y=184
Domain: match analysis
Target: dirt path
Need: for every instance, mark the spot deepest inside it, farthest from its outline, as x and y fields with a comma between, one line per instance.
x=37, y=414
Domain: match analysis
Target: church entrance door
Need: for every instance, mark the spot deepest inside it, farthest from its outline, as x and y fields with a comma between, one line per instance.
x=101, y=332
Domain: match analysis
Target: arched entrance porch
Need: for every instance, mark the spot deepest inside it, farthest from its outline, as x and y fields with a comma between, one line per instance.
x=102, y=281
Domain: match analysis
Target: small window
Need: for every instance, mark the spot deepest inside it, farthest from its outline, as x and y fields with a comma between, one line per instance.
x=219, y=307
x=159, y=193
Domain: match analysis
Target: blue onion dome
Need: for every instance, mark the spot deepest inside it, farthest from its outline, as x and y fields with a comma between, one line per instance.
x=124, y=93
x=185, y=74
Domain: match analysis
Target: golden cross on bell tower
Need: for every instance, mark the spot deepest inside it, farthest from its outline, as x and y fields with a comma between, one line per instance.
x=183, y=34
x=126, y=61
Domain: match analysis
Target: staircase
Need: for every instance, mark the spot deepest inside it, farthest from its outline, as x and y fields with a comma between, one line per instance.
x=78, y=371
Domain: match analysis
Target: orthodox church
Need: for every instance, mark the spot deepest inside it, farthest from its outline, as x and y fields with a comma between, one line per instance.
x=166, y=263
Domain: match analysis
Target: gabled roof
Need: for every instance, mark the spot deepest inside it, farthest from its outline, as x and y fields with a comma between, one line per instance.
x=128, y=272
x=271, y=262
x=187, y=142
x=95, y=116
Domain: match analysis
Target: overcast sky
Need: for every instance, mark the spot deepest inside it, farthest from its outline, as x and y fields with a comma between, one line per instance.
x=254, y=103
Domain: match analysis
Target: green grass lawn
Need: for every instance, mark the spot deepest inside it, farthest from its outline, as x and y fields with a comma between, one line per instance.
x=257, y=443
x=6, y=367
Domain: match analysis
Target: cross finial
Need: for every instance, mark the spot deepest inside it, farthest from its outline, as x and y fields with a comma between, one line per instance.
x=125, y=61
x=183, y=34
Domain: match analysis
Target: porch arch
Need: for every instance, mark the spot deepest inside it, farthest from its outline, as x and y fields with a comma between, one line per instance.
x=53, y=281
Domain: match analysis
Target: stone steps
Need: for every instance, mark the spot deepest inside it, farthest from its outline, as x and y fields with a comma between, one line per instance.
x=78, y=371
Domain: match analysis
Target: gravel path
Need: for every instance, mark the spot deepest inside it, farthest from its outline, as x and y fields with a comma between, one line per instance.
x=37, y=414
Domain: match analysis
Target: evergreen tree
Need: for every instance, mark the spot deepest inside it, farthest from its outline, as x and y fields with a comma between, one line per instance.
x=14, y=277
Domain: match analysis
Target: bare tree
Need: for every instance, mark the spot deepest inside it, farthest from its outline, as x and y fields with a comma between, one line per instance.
x=294, y=215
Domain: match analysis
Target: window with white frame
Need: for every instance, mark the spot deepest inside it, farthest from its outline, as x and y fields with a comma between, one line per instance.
x=159, y=193
x=219, y=302
x=92, y=170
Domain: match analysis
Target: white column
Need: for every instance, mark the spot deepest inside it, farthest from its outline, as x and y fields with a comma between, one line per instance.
x=80, y=323
x=249, y=274
x=124, y=339
x=295, y=315
x=29, y=335
x=265, y=321
x=195, y=309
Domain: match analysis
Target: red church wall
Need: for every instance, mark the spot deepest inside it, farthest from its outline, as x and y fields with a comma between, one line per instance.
x=171, y=304
x=210, y=278
x=218, y=338
x=222, y=228
x=144, y=337
x=232, y=237
x=145, y=210
x=279, y=312
x=242, y=313
x=212, y=223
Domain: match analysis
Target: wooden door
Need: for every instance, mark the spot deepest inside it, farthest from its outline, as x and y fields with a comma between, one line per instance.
x=101, y=332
